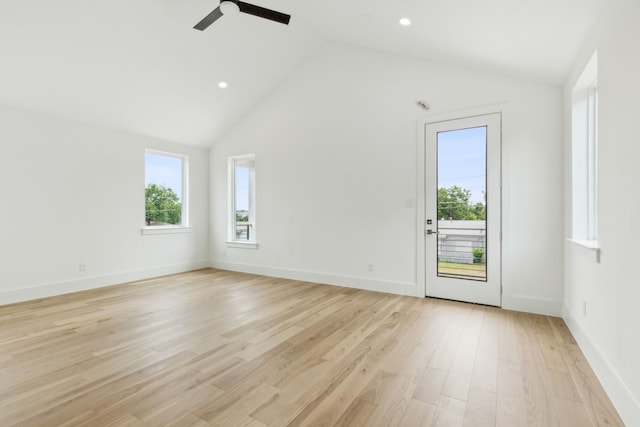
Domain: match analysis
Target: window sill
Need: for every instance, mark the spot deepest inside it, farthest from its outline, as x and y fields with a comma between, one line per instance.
x=591, y=245
x=147, y=231
x=242, y=245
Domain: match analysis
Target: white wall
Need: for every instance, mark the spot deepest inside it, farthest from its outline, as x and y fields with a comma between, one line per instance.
x=336, y=172
x=609, y=331
x=74, y=193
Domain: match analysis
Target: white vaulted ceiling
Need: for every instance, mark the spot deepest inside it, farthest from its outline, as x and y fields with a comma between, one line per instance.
x=139, y=66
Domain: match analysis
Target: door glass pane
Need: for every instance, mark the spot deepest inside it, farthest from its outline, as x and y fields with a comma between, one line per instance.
x=462, y=207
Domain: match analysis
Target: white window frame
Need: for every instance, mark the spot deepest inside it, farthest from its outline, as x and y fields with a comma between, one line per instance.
x=584, y=157
x=184, y=226
x=232, y=238
x=592, y=164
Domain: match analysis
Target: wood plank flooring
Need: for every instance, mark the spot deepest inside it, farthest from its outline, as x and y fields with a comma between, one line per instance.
x=213, y=347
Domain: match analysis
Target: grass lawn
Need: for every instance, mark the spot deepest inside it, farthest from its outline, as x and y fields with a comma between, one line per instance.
x=475, y=271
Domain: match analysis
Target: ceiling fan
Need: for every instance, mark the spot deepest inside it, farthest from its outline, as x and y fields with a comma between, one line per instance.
x=234, y=6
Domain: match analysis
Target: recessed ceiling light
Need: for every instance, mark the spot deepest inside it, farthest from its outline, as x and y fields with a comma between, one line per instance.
x=222, y=85
x=405, y=22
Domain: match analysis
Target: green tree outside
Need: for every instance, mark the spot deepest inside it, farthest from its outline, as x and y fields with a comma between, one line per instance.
x=162, y=205
x=480, y=210
x=454, y=204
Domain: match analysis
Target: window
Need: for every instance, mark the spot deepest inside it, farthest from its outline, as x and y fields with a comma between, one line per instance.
x=165, y=190
x=242, y=214
x=592, y=163
x=584, y=156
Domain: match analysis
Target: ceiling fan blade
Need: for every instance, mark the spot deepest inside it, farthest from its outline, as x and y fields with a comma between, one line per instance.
x=262, y=12
x=209, y=19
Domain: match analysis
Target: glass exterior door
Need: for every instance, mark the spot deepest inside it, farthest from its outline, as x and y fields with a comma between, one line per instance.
x=463, y=204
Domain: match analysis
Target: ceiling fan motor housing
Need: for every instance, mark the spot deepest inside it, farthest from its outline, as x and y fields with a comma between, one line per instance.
x=228, y=7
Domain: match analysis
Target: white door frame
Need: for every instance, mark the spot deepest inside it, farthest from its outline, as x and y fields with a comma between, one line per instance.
x=421, y=238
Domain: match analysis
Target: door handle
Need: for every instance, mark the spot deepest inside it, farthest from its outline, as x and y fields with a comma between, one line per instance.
x=432, y=231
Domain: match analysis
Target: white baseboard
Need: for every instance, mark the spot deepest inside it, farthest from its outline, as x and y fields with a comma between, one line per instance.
x=398, y=288
x=628, y=407
x=545, y=306
x=11, y=296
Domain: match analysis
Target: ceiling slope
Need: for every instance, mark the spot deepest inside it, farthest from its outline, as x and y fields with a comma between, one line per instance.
x=139, y=66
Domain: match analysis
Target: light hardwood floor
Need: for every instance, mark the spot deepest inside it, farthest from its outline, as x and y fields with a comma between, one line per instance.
x=213, y=347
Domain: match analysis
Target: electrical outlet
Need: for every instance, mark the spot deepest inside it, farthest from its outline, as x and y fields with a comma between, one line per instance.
x=83, y=267
x=370, y=266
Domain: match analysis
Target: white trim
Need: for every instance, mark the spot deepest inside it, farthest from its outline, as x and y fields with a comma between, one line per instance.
x=528, y=304
x=147, y=231
x=592, y=246
x=421, y=122
x=164, y=153
x=231, y=198
x=398, y=288
x=184, y=199
x=421, y=238
x=589, y=244
x=483, y=110
x=241, y=244
x=11, y=296
x=584, y=153
x=627, y=406
x=589, y=75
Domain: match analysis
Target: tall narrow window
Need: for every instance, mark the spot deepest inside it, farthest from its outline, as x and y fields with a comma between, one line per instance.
x=584, y=155
x=165, y=190
x=242, y=215
x=592, y=164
